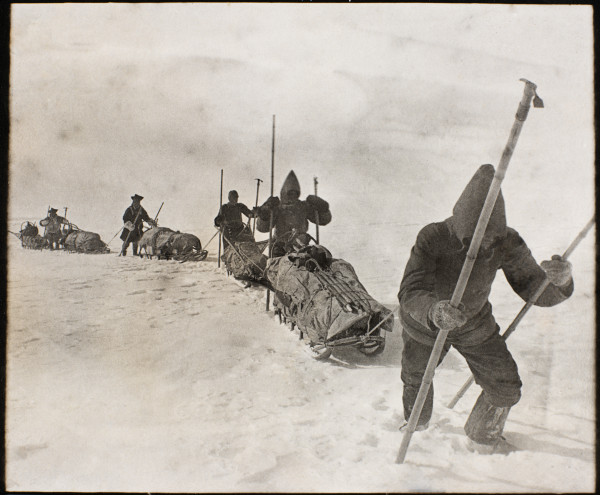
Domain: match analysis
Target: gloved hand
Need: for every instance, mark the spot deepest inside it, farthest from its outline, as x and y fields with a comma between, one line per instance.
x=271, y=203
x=129, y=225
x=317, y=203
x=557, y=270
x=153, y=223
x=446, y=317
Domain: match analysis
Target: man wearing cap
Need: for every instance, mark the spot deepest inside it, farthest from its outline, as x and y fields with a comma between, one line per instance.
x=229, y=218
x=429, y=280
x=291, y=215
x=52, y=232
x=134, y=218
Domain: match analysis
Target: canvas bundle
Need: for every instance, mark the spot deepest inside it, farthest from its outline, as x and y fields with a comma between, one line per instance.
x=244, y=260
x=29, y=230
x=326, y=304
x=33, y=241
x=84, y=242
x=166, y=243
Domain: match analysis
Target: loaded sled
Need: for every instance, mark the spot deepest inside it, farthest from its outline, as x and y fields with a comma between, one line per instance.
x=316, y=293
x=72, y=239
x=243, y=256
x=165, y=243
x=82, y=241
x=323, y=297
x=30, y=237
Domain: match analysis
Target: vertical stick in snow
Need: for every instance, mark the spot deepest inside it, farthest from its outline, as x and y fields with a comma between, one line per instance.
x=522, y=111
x=316, y=213
x=258, y=181
x=271, y=218
x=220, y=229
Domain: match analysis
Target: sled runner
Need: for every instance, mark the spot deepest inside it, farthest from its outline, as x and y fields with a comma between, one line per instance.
x=323, y=297
x=165, y=243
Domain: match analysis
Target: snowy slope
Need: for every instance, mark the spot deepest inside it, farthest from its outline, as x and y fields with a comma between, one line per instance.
x=136, y=375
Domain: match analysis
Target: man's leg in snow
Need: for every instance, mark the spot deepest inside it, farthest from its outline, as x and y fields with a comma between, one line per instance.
x=495, y=370
x=414, y=361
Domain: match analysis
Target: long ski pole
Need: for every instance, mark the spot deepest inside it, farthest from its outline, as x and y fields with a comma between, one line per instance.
x=484, y=217
x=220, y=230
x=271, y=215
x=316, y=213
x=157, y=213
x=118, y=232
x=513, y=326
x=258, y=181
x=46, y=226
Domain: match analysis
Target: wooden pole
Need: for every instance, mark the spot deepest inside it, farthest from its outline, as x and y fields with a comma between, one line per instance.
x=513, y=326
x=258, y=181
x=463, y=278
x=220, y=229
x=271, y=216
x=316, y=213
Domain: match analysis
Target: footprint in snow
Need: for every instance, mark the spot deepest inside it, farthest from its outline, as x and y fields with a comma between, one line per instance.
x=379, y=404
x=136, y=292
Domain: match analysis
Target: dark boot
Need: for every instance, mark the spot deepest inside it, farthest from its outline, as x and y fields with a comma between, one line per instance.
x=135, y=248
x=486, y=422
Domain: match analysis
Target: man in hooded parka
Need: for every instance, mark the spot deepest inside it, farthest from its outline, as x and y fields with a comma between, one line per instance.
x=230, y=217
x=291, y=215
x=429, y=280
x=134, y=218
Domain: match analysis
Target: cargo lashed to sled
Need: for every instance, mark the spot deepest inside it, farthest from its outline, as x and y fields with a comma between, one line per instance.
x=82, y=241
x=243, y=256
x=329, y=304
x=165, y=243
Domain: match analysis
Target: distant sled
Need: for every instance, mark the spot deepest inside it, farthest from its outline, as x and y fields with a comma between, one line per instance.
x=83, y=241
x=72, y=239
x=165, y=243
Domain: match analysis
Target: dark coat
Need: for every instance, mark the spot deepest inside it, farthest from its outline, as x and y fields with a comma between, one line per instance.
x=131, y=215
x=294, y=216
x=53, y=223
x=230, y=215
x=437, y=258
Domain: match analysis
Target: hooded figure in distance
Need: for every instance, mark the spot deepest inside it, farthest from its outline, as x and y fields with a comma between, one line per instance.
x=429, y=280
x=291, y=215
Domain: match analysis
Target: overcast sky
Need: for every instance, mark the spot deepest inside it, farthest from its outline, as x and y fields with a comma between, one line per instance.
x=108, y=100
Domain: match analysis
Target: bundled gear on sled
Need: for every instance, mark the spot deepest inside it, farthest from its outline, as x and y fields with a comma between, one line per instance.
x=165, y=243
x=30, y=237
x=323, y=297
x=243, y=256
x=83, y=241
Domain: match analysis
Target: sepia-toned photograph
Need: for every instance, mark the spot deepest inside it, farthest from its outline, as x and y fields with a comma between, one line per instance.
x=297, y=247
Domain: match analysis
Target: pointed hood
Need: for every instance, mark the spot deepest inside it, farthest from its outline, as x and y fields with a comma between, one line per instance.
x=467, y=209
x=290, y=184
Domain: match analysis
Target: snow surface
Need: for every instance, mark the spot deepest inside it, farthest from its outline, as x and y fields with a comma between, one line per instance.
x=126, y=374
